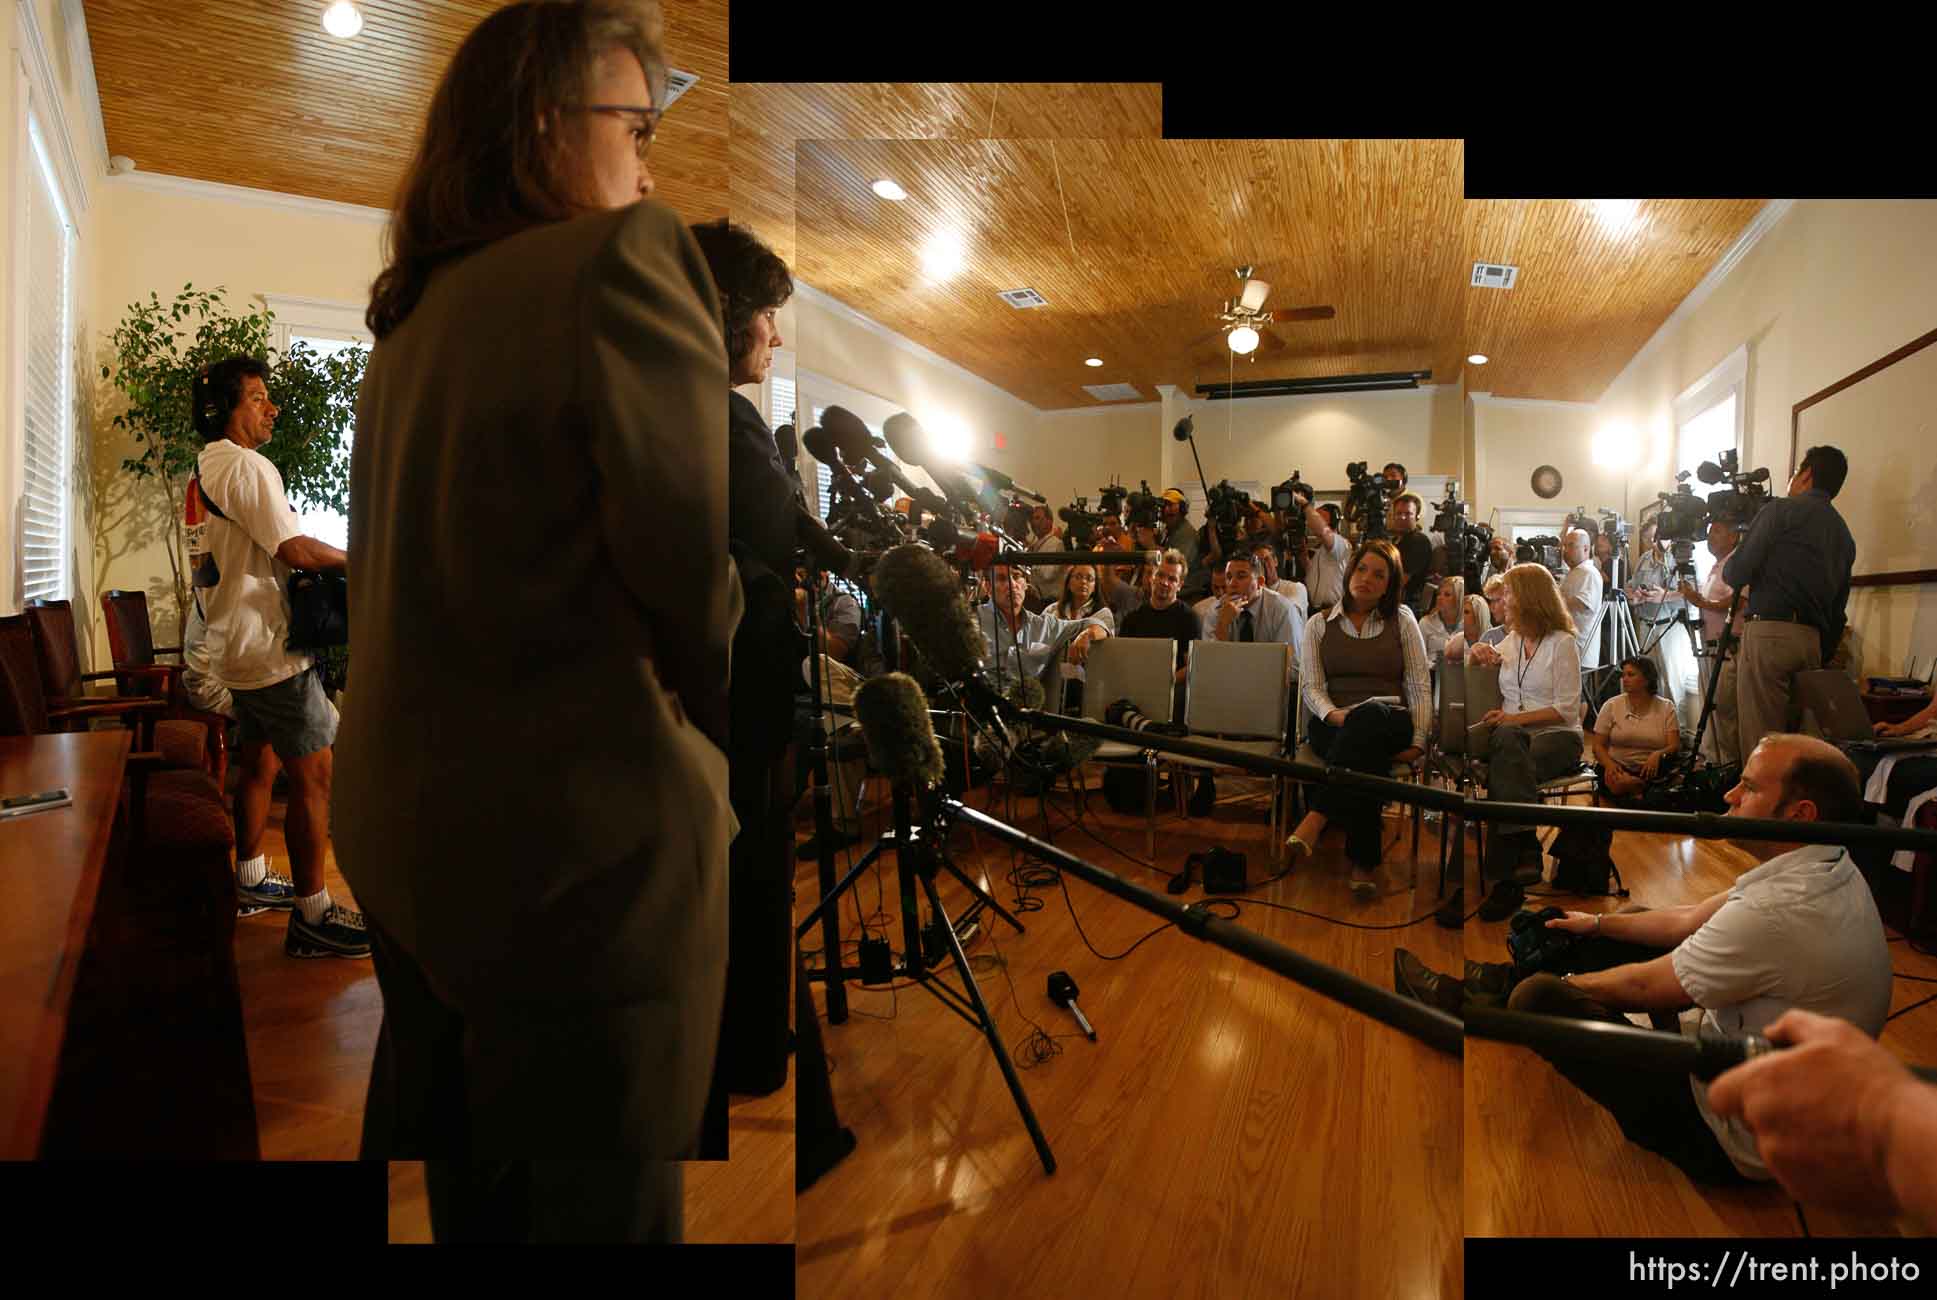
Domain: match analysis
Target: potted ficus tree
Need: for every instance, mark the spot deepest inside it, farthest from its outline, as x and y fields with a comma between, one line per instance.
x=157, y=350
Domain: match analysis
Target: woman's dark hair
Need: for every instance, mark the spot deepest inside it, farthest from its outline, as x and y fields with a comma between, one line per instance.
x=750, y=276
x=1649, y=673
x=1066, y=603
x=217, y=390
x=1388, y=605
x=495, y=159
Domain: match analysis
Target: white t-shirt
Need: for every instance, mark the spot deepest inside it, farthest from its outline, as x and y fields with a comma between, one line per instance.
x=1549, y=680
x=1801, y=930
x=1582, y=592
x=248, y=606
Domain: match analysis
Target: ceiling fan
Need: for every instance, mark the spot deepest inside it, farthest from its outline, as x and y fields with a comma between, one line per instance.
x=1243, y=320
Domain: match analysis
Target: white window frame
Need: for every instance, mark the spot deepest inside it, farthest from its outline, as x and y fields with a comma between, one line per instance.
x=315, y=318
x=1728, y=379
x=36, y=99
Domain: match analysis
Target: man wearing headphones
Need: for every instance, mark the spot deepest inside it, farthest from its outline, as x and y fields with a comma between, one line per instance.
x=242, y=556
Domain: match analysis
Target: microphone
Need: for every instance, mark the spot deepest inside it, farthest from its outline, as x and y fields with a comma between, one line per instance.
x=1063, y=991
x=920, y=592
x=850, y=435
x=820, y=445
x=827, y=550
x=907, y=439
x=1183, y=430
x=1003, y=483
x=893, y=714
x=789, y=444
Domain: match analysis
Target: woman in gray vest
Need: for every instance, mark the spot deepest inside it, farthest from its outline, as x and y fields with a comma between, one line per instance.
x=1536, y=732
x=1367, y=689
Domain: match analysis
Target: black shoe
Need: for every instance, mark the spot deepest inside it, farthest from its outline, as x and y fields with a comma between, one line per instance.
x=1452, y=912
x=1417, y=981
x=809, y=849
x=1488, y=983
x=1503, y=902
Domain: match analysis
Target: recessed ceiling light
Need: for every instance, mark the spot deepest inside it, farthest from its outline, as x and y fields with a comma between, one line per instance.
x=342, y=20
x=890, y=190
x=1093, y=361
x=1477, y=359
x=1616, y=214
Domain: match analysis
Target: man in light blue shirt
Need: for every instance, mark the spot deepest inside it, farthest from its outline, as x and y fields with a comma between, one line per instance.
x=1011, y=634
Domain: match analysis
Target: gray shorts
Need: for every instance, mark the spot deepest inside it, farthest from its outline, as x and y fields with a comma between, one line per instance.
x=293, y=717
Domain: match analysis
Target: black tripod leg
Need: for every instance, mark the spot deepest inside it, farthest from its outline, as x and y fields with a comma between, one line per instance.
x=981, y=896
x=987, y=1024
x=832, y=895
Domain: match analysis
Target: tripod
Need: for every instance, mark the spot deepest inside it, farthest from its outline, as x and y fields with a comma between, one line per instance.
x=1724, y=646
x=919, y=853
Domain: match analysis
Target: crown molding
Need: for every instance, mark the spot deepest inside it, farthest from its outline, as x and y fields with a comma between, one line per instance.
x=1537, y=403
x=835, y=307
x=1766, y=220
x=1105, y=408
x=80, y=56
x=45, y=92
x=212, y=191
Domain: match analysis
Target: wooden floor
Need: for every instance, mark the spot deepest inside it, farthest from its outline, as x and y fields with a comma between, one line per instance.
x=312, y=1031
x=1230, y=1132
x=1544, y=1160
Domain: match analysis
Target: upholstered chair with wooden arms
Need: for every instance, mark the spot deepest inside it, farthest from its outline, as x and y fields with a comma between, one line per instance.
x=138, y=671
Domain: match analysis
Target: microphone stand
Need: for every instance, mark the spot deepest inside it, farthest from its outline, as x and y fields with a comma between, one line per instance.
x=919, y=852
x=817, y=746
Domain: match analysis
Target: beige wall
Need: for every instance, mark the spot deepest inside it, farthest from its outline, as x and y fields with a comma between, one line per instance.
x=1830, y=288
x=1075, y=452
x=1512, y=439
x=1264, y=439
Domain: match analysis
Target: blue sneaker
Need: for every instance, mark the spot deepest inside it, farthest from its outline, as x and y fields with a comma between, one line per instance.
x=277, y=891
x=341, y=933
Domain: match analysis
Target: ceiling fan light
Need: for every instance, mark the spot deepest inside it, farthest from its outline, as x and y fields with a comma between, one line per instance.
x=342, y=20
x=1243, y=340
x=1255, y=292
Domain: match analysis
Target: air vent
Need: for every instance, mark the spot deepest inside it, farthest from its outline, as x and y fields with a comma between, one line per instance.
x=1491, y=275
x=1113, y=392
x=677, y=84
x=1024, y=298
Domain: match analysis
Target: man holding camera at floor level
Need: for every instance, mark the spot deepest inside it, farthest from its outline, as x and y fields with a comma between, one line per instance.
x=1796, y=557
x=1801, y=930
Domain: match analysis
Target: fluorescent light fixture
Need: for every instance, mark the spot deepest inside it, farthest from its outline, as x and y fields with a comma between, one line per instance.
x=342, y=20
x=1616, y=447
x=1477, y=359
x=1093, y=361
x=942, y=256
x=1616, y=214
x=1243, y=340
x=889, y=190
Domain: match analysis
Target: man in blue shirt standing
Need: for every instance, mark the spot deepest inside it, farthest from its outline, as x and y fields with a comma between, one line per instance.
x=1796, y=559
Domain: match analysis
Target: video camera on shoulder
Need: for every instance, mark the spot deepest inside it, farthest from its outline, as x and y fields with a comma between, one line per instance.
x=1082, y=524
x=1143, y=509
x=1544, y=549
x=1289, y=500
x=1685, y=516
x=1466, y=542
x=1226, y=507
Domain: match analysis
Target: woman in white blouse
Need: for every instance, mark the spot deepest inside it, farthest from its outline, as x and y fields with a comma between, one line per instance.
x=1078, y=601
x=1536, y=733
x=1438, y=626
x=1358, y=659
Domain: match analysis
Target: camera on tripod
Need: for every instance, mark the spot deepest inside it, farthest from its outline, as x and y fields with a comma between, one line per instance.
x=1366, y=501
x=1544, y=549
x=1226, y=507
x=1466, y=542
x=1289, y=500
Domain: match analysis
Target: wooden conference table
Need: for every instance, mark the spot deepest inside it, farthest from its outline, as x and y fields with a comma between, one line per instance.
x=50, y=879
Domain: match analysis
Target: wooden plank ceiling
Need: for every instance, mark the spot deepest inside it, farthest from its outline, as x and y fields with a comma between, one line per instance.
x=259, y=95
x=770, y=120
x=1134, y=242
x=1596, y=281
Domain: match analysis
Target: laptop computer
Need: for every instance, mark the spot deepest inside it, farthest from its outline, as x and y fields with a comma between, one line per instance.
x=1837, y=705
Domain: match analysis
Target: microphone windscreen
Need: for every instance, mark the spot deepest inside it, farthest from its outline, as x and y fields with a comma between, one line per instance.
x=850, y=435
x=1183, y=430
x=906, y=439
x=820, y=445
x=893, y=714
x=919, y=590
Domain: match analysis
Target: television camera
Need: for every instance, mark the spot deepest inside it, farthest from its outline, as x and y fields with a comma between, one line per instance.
x=1367, y=501
x=1466, y=542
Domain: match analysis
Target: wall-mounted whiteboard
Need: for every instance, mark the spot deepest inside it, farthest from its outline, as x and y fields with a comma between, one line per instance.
x=1884, y=418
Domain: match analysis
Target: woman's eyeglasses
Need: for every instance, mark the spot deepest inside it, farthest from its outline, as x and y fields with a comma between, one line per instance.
x=645, y=121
